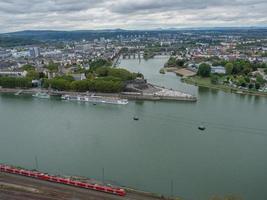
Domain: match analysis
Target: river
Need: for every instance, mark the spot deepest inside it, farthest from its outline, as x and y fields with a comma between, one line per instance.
x=163, y=148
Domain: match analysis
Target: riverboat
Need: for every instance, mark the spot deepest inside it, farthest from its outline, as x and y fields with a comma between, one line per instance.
x=95, y=99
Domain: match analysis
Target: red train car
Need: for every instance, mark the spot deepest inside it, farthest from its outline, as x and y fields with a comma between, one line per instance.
x=45, y=177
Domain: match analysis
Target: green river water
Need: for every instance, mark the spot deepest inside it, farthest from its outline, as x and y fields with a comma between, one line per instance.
x=164, y=146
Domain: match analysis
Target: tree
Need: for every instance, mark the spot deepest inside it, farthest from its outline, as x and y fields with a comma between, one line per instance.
x=28, y=67
x=229, y=68
x=251, y=86
x=11, y=82
x=171, y=62
x=180, y=63
x=204, y=70
x=260, y=79
x=241, y=81
x=52, y=67
x=99, y=63
x=32, y=74
x=257, y=86
x=214, y=79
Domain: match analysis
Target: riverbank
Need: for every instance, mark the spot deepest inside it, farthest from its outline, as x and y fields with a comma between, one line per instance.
x=206, y=82
x=155, y=94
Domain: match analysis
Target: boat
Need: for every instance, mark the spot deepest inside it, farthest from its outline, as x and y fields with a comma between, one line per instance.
x=41, y=95
x=18, y=93
x=95, y=99
x=202, y=128
x=135, y=118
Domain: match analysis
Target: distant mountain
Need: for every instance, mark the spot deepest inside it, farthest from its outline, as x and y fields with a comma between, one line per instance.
x=11, y=41
x=35, y=36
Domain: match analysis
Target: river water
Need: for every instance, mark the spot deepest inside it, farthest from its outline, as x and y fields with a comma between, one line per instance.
x=163, y=147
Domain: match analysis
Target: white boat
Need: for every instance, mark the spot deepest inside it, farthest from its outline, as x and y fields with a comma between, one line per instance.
x=95, y=99
x=41, y=95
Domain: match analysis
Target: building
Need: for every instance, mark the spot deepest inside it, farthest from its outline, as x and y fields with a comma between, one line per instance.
x=35, y=52
x=5, y=54
x=218, y=70
x=79, y=77
x=13, y=74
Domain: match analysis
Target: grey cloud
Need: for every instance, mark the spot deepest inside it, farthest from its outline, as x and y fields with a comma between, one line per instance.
x=128, y=14
x=35, y=6
x=124, y=6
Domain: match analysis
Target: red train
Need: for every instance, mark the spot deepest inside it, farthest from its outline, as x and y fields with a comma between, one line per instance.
x=45, y=177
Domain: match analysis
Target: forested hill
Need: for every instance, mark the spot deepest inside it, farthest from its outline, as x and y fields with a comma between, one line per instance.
x=12, y=41
x=34, y=36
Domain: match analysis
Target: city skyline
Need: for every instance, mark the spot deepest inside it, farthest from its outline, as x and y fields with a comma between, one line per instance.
x=140, y=14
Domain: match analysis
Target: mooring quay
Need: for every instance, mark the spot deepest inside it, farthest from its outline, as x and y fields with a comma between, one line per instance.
x=158, y=95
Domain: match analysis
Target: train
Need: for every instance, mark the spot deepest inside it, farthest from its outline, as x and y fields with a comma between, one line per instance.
x=60, y=180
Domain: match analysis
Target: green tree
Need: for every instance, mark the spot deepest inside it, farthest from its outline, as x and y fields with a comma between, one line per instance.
x=27, y=67
x=171, y=62
x=32, y=74
x=123, y=74
x=180, y=63
x=99, y=63
x=251, y=86
x=229, y=68
x=80, y=86
x=204, y=70
x=214, y=79
x=52, y=67
x=11, y=82
x=257, y=85
x=57, y=84
x=260, y=79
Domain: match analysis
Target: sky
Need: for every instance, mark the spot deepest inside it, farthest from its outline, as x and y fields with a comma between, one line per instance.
x=16, y=15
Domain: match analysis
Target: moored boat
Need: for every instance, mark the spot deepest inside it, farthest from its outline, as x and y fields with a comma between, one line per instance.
x=41, y=95
x=95, y=99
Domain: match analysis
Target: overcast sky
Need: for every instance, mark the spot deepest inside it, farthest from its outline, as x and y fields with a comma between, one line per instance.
x=129, y=14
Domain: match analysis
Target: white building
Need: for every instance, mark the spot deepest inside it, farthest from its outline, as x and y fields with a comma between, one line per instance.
x=218, y=70
x=35, y=52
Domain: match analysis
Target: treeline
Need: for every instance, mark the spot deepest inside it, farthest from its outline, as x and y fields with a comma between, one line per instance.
x=108, y=85
x=120, y=74
x=100, y=78
x=12, y=82
x=15, y=41
x=239, y=67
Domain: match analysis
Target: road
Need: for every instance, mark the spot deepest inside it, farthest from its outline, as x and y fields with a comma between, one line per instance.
x=23, y=188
